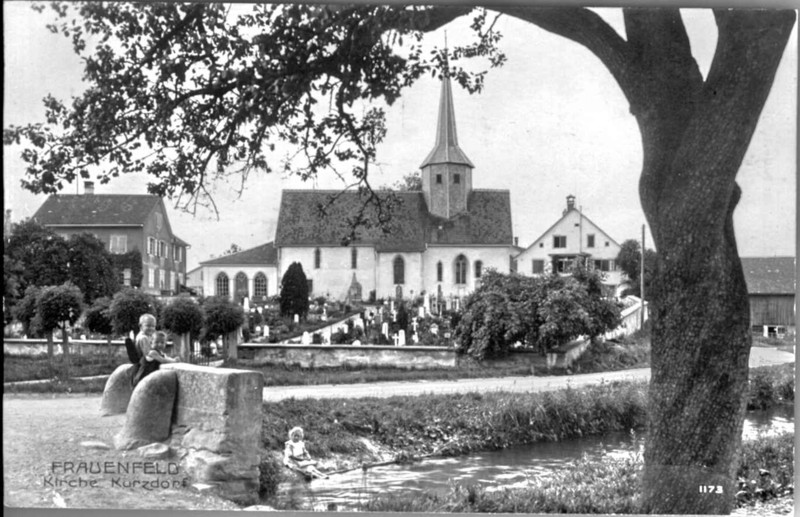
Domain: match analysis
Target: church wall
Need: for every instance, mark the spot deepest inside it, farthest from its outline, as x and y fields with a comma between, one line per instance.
x=413, y=274
x=459, y=191
x=492, y=257
x=335, y=274
x=437, y=199
x=210, y=274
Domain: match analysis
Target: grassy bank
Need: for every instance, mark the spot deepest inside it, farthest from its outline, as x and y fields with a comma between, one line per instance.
x=608, y=486
x=454, y=424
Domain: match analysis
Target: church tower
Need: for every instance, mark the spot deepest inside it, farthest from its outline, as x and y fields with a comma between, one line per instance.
x=446, y=172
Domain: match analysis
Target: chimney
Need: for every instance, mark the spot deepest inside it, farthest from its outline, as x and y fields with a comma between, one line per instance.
x=570, y=202
x=88, y=187
x=516, y=241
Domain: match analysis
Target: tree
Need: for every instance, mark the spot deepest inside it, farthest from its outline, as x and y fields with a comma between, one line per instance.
x=97, y=318
x=411, y=182
x=12, y=284
x=91, y=267
x=186, y=83
x=42, y=254
x=629, y=261
x=184, y=318
x=25, y=312
x=222, y=316
x=126, y=308
x=58, y=307
x=294, y=291
x=235, y=248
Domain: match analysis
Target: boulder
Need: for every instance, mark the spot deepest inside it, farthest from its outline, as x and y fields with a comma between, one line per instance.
x=155, y=451
x=117, y=393
x=150, y=411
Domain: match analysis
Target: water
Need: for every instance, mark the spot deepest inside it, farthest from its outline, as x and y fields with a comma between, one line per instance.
x=497, y=469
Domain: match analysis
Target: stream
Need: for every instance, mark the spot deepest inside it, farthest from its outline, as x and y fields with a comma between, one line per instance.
x=499, y=469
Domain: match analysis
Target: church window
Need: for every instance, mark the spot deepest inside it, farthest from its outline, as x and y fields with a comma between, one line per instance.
x=478, y=268
x=456, y=178
x=260, y=285
x=461, y=269
x=590, y=240
x=353, y=258
x=438, y=179
x=310, y=284
x=317, y=258
x=241, y=286
x=538, y=267
x=439, y=271
x=223, y=285
x=559, y=241
x=399, y=267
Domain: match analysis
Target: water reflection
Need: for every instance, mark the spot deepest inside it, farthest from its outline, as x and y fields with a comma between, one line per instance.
x=498, y=469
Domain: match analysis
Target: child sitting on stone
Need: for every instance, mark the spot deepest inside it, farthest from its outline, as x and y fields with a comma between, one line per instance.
x=296, y=457
x=154, y=357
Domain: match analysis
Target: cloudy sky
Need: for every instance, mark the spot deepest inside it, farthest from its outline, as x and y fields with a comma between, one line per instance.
x=551, y=122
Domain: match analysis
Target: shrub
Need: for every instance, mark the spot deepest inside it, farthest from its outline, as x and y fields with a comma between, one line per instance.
x=222, y=316
x=25, y=312
x=126, y=308
x=769, y=386
x=98, y=319
x=270, y=475
x=182, y=316
x=294, y=291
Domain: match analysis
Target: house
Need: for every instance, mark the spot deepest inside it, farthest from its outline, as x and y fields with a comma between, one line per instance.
x=194, y=280
x=251, y=273
x=135, y=228
x=573, y=238
x=439, y=240
x=771, y=292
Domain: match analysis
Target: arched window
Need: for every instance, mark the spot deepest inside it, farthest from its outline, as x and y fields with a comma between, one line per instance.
x=353, y=258
x=461, y=269
x=240, y=288
x=260, y=285
x=223, y=285
x=317, y=258
x=478, y=268
x=439, y=271
x=399, y=270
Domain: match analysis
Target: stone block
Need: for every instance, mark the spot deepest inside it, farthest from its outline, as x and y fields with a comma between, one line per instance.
x=117, y=392
x=150, y=411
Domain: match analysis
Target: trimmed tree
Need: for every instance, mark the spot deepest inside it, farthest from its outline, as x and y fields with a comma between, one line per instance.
x=222, y=316
x=58, y=307
x=184, y=318
x=629, y=260
x=294, y=291
x=126, y=308
x=97, y=318
x=25, y=312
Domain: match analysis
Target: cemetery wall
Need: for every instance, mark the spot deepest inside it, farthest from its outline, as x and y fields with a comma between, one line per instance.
x=322, y=356
x=37, y=347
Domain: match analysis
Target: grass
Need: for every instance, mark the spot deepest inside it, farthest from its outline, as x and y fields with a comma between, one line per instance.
x=26, y=368
x=630, y=352
x=608, y=486
x=454, y=424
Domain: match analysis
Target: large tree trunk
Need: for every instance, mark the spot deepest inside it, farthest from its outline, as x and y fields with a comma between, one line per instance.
x=695, y=133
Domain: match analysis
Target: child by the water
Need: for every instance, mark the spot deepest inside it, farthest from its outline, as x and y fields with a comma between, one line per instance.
x=295, y=455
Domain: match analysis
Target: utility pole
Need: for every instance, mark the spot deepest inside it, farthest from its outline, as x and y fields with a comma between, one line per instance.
x=641, y=283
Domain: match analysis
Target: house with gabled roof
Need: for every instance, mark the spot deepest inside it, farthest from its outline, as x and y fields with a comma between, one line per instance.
x=572, y=239
x=135, y=228
x=439, y=240
x=771, y=289
x=250, y=273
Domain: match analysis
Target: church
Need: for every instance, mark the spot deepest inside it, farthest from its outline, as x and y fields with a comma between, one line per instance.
x=439, y=241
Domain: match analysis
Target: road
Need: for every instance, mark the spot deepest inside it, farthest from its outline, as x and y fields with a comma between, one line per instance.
x=758, y=357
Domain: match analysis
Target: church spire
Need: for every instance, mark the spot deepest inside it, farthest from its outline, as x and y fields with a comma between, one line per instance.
x=446, y=149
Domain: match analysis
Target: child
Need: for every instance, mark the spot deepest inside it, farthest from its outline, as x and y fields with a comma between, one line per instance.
x=296, y=457
x=144, y=339
x=156, y=353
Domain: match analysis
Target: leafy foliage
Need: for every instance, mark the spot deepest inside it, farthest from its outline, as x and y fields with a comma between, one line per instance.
x=183, y=315
x=58, y=305
x=294, y=291
x=42, y=254
x=126, y=308
x=629, y=261
x=98, y=317
x=221, y=316
x=542, y=312
x=208, y=89
x=131, y=260
x=91, y=267
x=25, y=312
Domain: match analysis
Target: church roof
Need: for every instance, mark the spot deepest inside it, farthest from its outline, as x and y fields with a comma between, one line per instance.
x=264, y=255
x=487, y=221
x=96, y=210
x=446, y=149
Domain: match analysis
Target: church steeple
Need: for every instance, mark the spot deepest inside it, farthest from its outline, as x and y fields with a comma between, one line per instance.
x=446, y=149
x=446, y=172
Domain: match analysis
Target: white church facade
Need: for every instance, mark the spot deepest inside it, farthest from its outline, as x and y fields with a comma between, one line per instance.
x=439, y=241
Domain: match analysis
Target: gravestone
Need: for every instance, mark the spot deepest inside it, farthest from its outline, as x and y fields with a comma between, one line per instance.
x=359, y=324
x=385, y=329
x=296, y=318
x=435, y=329
x=306, y=340
x=421, y=311
x=401, y=338
x=415, y=338
x=265, y=331
x=396, y=339
x=357, y=343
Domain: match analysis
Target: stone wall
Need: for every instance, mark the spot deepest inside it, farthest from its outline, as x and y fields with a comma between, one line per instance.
x=36, y=347
x=320, y=356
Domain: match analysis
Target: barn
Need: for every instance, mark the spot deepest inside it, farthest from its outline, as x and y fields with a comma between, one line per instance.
x=771, y=290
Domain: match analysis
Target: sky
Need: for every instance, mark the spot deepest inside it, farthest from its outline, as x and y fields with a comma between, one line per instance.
x=550, y=123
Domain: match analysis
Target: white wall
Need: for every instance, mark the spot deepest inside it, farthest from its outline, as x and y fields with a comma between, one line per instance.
x=385, y=274
x=492, y=257
x=211, y=272
x=335, y=274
